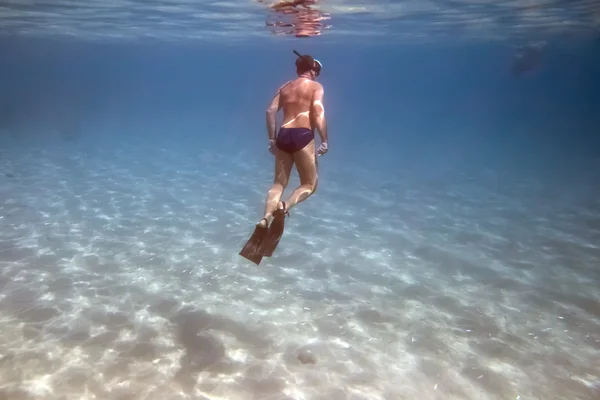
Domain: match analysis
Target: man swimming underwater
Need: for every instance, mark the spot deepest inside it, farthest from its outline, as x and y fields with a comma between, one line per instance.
x=303, y=111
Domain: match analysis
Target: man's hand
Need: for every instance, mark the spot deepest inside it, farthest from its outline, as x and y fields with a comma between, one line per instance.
x=272, y=146
x=323, y=148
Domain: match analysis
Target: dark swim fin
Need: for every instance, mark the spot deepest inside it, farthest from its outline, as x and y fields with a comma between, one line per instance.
x=269, y=244
x=251, y=249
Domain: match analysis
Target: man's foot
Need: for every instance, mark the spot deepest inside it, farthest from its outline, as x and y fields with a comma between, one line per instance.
x=270, y=242
x=282, y=207
x=264, y=223
x=268, y=218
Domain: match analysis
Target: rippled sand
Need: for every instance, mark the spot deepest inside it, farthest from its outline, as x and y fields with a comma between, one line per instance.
x=120, y=279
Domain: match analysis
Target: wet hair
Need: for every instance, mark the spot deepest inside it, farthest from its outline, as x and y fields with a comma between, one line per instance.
x=304, y=64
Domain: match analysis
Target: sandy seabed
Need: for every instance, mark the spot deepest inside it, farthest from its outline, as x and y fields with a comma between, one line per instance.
x=120, y=279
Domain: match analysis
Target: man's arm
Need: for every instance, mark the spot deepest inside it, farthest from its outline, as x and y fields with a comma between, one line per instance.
x=271, y=116
x=272, y=113
x=319, y=112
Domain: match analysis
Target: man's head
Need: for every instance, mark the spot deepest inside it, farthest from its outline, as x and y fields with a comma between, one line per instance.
x=305, y=64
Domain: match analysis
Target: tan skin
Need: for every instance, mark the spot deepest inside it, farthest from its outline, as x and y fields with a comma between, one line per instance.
x=302, y=104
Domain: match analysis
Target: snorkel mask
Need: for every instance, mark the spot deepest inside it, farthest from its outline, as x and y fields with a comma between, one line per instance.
x=317, y=67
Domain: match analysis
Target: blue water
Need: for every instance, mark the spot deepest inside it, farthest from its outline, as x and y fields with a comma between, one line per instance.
x=452, y=249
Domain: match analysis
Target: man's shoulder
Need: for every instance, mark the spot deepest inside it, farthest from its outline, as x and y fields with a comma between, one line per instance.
x=285, y=84
x=317, y=85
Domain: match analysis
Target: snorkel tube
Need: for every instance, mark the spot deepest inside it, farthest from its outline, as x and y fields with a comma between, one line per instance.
x=318, y=66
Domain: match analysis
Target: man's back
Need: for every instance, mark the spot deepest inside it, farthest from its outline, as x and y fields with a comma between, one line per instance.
x=297, y=99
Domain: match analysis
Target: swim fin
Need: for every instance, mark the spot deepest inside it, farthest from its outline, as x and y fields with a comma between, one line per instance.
x=251, y=250
x=269, y=244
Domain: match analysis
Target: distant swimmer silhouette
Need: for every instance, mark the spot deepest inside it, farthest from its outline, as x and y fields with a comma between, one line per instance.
x=527, y=57
x=303, y=111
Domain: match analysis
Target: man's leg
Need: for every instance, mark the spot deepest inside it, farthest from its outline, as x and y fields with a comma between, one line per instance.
x=306, y=163
x=283, y=167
